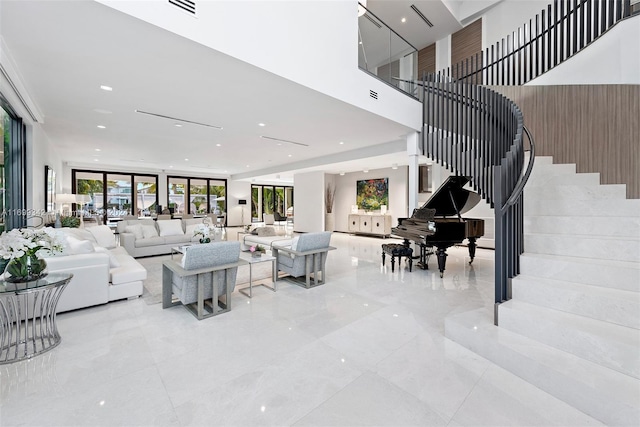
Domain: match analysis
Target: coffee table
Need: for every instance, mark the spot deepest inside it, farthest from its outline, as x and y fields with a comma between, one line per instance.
x=255, y=260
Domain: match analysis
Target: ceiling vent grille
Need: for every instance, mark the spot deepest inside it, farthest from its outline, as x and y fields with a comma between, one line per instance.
x=373, y=94
x=373, y=20
x=421, y=15
x=186, y=5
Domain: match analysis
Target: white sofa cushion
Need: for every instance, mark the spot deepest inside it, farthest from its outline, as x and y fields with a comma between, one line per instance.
x=113, y=260
x=149, y=231
x=79, y=246
x=172, y=227
x=103, y=235
x=136, y=230
x=151, y=241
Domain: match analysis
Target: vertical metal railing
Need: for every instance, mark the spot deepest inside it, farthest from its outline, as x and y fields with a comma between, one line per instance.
x=556, y=34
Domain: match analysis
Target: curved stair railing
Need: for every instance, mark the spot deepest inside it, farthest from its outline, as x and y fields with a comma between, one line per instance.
x=477, y=132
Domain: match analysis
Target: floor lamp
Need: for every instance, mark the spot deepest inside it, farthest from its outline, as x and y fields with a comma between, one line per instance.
x=242, y=202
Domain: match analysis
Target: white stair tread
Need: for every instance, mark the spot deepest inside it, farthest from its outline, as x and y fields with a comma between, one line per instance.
x=589, y=261
x=605, y=394
x=593, y=237
x=580, y=208
x=621, y=307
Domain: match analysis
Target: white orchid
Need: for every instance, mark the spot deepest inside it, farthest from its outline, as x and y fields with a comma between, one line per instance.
x=17, y=243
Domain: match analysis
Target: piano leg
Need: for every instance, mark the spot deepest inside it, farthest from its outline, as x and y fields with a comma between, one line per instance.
x=472, y=248
x=442, y=260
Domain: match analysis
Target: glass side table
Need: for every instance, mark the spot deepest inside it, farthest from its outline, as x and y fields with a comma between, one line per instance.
x=28, y=316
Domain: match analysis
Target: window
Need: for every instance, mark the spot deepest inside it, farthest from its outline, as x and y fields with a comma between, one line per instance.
x=205, y=195
x=13, y=199
x=269, y=199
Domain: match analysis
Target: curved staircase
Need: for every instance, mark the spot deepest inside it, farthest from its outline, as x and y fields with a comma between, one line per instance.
x=572, y=327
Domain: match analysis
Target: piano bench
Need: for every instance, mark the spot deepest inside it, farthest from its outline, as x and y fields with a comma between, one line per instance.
x=397, y=250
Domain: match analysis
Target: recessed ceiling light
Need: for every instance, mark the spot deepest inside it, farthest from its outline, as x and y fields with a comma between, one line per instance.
x=186, y=160
x=107, y=88
x=359, y=42
x=341, y=142
x=341, y=173
x=290, y=155
x=95, y=160
x=247, y=165
x=225, y=171
x=403, y=20
x=261, y=124
x=218, y=145
x=97, y=149
x=279, y=143
x=101, y=127
x=178, y=125
x=366, y=171
x=101, y=111
x=142, y=160
x=394, y=166
x=170, y=166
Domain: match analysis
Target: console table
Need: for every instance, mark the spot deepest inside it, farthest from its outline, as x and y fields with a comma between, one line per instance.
x=379, y=225
x=28, y=316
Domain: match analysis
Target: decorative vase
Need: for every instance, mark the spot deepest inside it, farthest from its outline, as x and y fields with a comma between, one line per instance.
x=329, y=221
x=27, y=268
x=205, y=240
x=256, y=254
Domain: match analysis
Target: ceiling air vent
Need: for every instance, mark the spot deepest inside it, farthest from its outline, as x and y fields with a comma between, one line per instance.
x=373, y=94
x=421, y=15
x=373, y=20
x=186, y=5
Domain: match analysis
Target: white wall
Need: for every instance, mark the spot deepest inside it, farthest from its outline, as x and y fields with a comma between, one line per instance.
x=308, y=201
x=507, y=16
x=313, y=43
x=346, y=194
x=40, y=152
x=612, y=59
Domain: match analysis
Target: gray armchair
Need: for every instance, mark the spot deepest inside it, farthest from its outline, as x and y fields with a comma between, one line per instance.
x=307, y=256
x=204, y=280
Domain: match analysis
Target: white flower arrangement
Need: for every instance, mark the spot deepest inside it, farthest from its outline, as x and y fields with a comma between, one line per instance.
x=17, y=243
x=202, y=231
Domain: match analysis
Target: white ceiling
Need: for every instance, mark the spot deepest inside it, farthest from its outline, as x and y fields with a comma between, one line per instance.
x=65, y=50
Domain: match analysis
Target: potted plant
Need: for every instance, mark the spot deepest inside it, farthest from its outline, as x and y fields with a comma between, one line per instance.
x=257, y=251
x=329, y=199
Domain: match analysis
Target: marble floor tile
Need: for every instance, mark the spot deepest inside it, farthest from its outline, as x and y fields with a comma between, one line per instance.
x=367, y=348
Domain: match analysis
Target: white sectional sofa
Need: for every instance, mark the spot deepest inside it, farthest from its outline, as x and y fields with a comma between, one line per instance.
x=265, y=236
x=146, y=237
x=102, y=272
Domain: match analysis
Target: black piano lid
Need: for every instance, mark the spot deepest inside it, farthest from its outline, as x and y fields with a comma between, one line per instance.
x=464, y=199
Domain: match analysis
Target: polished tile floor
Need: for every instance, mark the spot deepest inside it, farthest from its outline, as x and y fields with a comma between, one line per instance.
x=365, y=349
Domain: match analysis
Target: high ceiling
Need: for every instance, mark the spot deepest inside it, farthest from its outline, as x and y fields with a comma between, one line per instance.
x=65, y=50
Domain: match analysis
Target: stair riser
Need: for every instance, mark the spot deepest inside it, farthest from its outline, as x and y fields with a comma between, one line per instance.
x=576, y=246
x=625, y=312
x=580, y=208
x=610, y=353
x=598, y=400
x=564, y=179
x=540, y=170
x=627, y=279
x=593, y=226
x=576, y=192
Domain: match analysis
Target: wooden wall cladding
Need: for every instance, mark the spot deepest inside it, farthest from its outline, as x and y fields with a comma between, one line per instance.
x=596, y=127
x=427, y=60
x=466, y=43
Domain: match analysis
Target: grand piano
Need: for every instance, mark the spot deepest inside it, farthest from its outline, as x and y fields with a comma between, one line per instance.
x=439, y=223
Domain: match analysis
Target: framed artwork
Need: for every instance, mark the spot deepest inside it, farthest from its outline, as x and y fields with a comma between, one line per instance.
x=372, y=194
x=49, y=189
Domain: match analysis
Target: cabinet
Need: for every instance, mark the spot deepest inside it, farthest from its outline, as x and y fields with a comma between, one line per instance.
x=379, y=225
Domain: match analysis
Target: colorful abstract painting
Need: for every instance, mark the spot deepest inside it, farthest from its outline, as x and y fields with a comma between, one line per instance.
x=371, y=194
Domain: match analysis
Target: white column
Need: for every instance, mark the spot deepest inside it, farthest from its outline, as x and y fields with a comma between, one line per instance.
x=413, y=150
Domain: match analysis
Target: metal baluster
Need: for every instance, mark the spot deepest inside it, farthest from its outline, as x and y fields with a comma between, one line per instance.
x=589, y=23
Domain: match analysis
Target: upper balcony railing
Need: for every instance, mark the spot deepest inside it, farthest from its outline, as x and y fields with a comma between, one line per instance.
x=385, y=54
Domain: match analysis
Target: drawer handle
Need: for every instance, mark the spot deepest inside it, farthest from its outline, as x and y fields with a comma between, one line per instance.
x=377, y=224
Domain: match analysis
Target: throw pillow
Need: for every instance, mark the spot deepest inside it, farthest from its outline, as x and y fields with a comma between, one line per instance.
x=190, y=229
x=172, y=227
x=136, y=230
x=149, y=231
x=266, y=231
x=79, y=246
x=103, y=236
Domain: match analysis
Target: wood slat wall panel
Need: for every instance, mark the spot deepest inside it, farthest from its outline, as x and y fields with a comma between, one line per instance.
x=427, y=60
x=465, y=43
x=596, y=127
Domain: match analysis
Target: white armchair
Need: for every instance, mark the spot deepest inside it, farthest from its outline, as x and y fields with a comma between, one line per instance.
x=307, y=256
